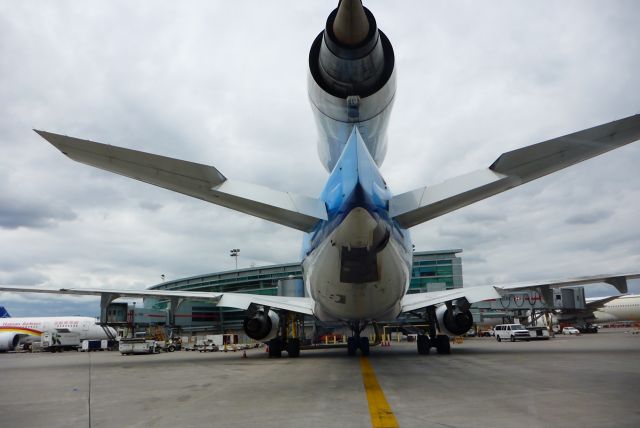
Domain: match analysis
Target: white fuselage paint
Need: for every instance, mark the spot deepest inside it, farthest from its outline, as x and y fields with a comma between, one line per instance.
x=624, y=308
x=336, y=300
x=30, y=329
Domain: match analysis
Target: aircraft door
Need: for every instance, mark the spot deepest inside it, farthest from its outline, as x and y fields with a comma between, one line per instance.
x=84, y=331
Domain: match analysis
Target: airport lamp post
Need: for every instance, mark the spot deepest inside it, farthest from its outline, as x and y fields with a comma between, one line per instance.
x=234, y=253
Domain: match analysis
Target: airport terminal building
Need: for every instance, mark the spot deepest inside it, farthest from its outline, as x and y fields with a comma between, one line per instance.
x=432, y=271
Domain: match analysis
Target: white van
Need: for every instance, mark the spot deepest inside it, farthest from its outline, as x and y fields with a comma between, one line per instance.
x=511, y=332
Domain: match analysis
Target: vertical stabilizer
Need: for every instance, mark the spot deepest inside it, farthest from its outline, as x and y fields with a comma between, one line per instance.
x=4, y=313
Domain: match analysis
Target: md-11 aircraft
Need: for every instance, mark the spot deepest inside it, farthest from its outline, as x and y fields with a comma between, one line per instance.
x=357, y=249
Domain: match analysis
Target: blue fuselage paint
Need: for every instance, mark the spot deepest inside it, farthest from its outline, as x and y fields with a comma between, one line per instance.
x=356, y=182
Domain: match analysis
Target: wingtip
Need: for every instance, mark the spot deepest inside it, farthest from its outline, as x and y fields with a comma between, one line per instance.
x=42, y=133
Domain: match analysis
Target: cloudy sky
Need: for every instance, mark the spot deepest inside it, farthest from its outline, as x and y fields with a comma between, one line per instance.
x=224, y=83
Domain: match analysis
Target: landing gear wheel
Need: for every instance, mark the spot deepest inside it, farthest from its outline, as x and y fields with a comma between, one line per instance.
x=443, y=346
x=275, y=348
x=364, y=346
x=423, y=344
x=293, y=348
x=352, y=346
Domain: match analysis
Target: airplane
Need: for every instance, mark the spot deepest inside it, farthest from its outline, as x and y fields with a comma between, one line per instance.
x=357, y=248
x=19, y=331
x=605, y=309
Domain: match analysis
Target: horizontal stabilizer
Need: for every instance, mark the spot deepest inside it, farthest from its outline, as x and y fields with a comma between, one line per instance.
x=302, y=305
x=194, y=179
x=512, y=169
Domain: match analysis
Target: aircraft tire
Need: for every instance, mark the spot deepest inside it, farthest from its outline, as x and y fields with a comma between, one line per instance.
x=352, y=346
x=423, y=344
x=443, y=346
x=364, y=346
x=275, y=348
x=293, y=348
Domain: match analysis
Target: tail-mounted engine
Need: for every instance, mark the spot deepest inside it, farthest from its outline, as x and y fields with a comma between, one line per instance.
x=454, y=320
x=351, y=82
x=262, y=325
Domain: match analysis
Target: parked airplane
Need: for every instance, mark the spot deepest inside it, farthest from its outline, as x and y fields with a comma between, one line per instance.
x=622, y=308
x=605, y=309
x=357, y=250
x=18, y=331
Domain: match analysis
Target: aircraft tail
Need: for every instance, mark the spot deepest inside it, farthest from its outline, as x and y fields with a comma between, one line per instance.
x=4, y=313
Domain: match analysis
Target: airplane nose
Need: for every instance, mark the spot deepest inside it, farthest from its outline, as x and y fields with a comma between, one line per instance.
x=351, y=25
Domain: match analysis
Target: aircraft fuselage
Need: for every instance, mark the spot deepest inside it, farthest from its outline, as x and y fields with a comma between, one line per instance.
x=357, y=264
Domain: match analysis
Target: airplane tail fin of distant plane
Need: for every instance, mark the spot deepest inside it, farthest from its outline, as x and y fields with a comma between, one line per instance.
x=512, y=169
x=196, y=180
x=4, y=313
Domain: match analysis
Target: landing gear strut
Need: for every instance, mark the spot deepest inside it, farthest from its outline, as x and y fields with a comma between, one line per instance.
x=356, y=342
x=283, y=342
x=433, y=339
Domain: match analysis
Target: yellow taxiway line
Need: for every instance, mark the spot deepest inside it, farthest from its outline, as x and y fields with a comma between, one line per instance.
x=379, y=409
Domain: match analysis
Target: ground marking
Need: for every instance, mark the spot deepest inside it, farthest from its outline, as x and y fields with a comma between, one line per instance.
x=379, y=409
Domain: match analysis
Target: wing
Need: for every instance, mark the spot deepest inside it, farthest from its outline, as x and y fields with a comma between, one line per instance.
x=412, y=302
x=512, y=169
x=197, y=180
x=302, y=305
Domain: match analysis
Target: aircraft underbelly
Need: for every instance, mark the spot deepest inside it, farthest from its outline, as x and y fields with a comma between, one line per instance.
x=374, y=300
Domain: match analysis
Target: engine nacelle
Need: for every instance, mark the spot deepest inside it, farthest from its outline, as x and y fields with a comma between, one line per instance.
x=454, y=323
x=261, y=325
x=351, y=84
x=9, y=341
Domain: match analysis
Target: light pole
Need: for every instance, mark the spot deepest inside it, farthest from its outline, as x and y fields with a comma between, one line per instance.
x=234, y=253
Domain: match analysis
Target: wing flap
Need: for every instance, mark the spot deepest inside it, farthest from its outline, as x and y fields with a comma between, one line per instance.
x=196, y=180
x=512, y=169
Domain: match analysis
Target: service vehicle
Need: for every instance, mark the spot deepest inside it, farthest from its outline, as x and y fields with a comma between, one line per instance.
x=58, y=341
x=138, y=346
x=511, y=332
x=570, y=331
x=539, y=333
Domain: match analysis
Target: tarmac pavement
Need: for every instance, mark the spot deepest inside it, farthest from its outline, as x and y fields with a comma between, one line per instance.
x=583, y=381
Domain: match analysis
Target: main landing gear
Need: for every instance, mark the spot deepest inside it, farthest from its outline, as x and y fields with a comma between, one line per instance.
x=356, y=342
x=433, y=339
x=291, y=345
x=440, y=342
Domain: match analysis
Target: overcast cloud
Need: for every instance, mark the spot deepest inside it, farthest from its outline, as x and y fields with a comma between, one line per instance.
x=224, y=83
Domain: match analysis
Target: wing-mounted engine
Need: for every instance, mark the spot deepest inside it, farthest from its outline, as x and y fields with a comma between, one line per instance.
x=454, y=319
x=262, y=324
x=9, y=341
